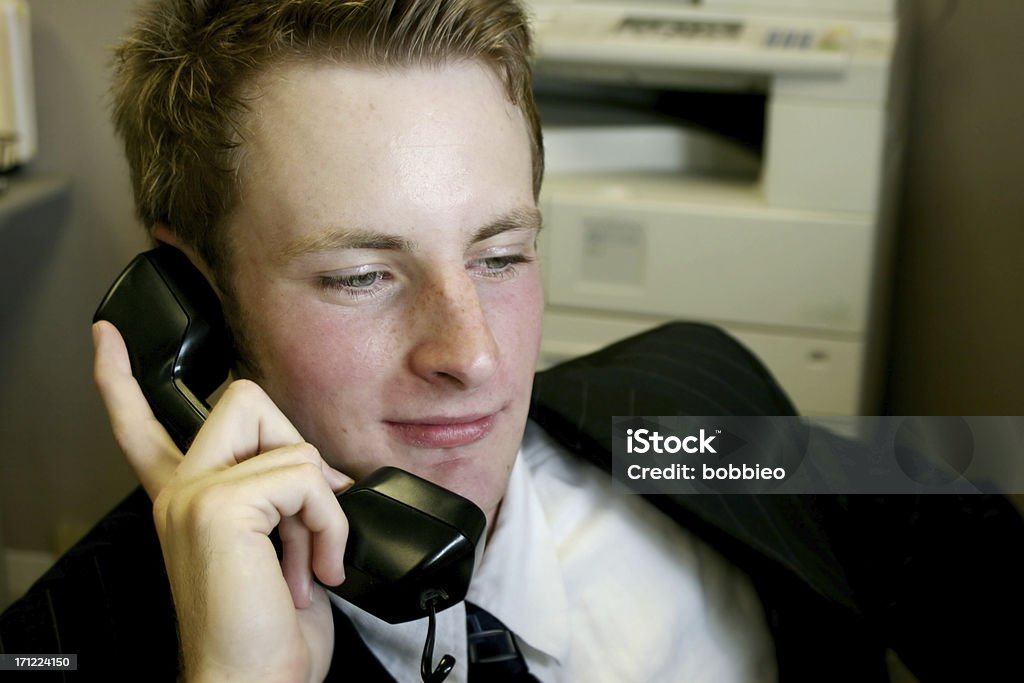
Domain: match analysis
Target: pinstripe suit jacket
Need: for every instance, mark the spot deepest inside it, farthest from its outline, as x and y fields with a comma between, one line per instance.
x=842, y=579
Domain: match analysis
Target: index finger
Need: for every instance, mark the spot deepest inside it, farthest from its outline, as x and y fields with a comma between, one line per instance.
x=146, y=445
x=244, y=423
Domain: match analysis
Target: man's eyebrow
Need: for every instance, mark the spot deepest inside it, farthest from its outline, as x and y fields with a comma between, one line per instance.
x=337, y=239
x=517, y=219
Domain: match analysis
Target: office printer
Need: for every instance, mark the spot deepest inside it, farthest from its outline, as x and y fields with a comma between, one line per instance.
x=730, y=161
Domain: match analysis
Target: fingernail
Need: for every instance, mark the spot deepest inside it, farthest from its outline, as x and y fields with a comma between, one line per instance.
x=341, y=573
x=336, y=479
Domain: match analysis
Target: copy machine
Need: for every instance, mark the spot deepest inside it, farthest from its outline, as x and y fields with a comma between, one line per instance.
x=731, y=161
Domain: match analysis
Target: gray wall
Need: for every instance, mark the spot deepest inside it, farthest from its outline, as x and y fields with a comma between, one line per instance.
x=958, y=344
x=60, y=469
x=958, y=331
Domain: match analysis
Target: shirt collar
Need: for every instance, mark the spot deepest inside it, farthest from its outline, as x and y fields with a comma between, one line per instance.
x=519, y=579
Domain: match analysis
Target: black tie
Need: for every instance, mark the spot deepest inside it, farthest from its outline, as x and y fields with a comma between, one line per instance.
x=494, y=656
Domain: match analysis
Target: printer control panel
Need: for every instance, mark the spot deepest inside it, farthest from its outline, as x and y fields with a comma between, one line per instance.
x=680, y=29
x=765, y=45
x=724, y=33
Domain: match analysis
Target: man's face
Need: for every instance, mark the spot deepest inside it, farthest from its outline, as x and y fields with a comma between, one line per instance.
x=386, y=269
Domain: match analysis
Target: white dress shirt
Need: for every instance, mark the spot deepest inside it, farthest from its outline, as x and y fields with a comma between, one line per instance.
x=597, y=585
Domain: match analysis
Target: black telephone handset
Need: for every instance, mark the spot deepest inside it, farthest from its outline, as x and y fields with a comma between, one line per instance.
x=412, y=544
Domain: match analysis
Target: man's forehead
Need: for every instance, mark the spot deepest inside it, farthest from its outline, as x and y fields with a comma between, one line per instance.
x=418, y=155
x=363, y=87
x=417, y=109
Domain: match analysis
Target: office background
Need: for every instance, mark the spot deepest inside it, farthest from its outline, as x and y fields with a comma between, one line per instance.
x=956, y=329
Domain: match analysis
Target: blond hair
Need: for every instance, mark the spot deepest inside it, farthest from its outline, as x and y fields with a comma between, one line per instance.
x=180, y=78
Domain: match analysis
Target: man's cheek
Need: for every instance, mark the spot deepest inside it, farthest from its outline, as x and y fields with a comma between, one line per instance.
x=309, y=371
x=516, y=313
x=524, y=330
x=313, y=340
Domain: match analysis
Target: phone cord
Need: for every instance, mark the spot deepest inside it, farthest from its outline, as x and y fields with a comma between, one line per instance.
x=428, y=601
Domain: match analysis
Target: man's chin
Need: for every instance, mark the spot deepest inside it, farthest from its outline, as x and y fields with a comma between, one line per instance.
x=476, y=476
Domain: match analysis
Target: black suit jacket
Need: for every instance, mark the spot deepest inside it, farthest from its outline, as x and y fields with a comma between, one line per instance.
x=842, y=578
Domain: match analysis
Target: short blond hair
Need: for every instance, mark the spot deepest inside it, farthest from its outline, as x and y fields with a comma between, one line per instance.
x=180, y=79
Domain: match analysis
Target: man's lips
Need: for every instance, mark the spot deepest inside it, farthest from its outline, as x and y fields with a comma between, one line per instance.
x=443, y=432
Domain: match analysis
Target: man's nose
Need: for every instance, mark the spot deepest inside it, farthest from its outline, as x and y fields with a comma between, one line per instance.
x=453, y=339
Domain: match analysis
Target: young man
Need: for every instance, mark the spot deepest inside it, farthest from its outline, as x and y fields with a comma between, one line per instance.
x=358, y=180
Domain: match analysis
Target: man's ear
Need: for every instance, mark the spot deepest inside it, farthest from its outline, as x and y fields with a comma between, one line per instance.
x=165, y=234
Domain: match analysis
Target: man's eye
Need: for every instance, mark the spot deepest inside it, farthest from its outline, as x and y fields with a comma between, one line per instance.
x=352, y=282
x=363, y=279
x=501, y=264
x=497, y=263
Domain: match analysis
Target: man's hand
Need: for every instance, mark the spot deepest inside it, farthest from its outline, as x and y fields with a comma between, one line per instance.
x=242, y=614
